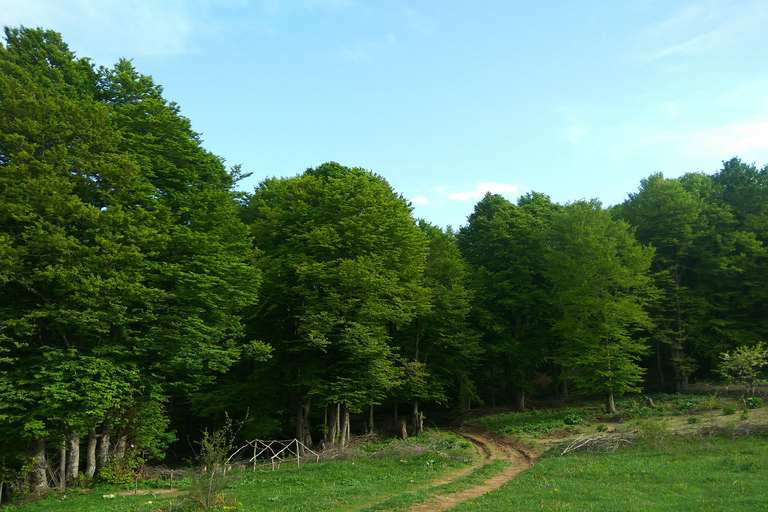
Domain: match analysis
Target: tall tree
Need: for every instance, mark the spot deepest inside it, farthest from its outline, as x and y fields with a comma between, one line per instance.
x=342, y=259
x=667, y=217
x=440, y=346
x=600, y=288
x=117, y=292
x=505, y=245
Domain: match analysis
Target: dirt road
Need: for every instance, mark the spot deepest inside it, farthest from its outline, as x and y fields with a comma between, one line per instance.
x=490, y=448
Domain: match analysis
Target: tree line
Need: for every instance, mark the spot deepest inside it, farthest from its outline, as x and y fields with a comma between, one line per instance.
x=145, y=297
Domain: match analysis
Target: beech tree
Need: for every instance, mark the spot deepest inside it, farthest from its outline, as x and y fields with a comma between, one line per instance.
x=600, y=287
x=341, y=259
x=667, y=217
x=116, y=293
x=440, y=348
x=505, y=245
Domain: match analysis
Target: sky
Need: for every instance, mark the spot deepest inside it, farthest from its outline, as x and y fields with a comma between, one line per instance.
x=447, y=99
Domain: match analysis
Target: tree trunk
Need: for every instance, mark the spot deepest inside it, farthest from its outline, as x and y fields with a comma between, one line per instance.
x=39, y=465
x=344, y=438
x=333, y=426
x=122, y=441
x=658, y=363
x=103, y=458
x=73, y=462
x=302, y=420
x=493, y=386
x=418, y=420
x=63, y=466
x=520, y=400
x=90, y=454
x=610, y=406
x=370, y=419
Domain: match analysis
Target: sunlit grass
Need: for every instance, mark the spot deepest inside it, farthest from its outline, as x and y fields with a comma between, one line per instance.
x=704, y=473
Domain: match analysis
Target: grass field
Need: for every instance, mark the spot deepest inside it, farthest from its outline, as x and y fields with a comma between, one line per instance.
x=683, y=453
x=395, y=472
x=703, y=474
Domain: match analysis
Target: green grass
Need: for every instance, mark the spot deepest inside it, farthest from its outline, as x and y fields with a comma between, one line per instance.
x=531, y=422
x=404, y=500
x=708, y=473
x=397, y=469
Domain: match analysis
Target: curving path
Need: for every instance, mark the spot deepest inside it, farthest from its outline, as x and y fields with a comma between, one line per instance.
x=490, y=448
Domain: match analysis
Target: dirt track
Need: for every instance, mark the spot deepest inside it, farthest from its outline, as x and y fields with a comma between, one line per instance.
x=489, y=448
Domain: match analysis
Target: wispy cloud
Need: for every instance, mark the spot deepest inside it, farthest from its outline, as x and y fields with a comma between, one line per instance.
x=480, y=191
x=575, y=130
x=420, y=200
x=731, y=139
x=116, y=27
x=704, y=26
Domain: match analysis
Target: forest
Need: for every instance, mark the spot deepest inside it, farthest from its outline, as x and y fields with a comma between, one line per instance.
x=146, y=298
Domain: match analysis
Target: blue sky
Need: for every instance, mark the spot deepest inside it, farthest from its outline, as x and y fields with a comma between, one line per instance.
x=448, y=99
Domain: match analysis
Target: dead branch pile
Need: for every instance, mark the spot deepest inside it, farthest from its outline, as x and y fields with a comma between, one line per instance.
x=598, y=442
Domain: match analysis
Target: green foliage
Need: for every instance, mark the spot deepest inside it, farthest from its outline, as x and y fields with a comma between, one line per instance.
x=573, y=419
x=745, y=365
x=729, y=410
x=601, y=427
x=211, y=478
x=693, y=474
x=121, y=470
x=600, y=288
x=754, y=402
x=505, y=244
x=529, y=422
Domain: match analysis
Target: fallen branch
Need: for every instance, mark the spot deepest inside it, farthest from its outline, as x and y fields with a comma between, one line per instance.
x=602, y=441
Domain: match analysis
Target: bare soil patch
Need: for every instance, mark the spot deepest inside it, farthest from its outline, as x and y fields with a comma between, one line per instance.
x=490, y=447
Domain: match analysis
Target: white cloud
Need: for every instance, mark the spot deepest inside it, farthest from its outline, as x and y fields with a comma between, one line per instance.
x=420, y=200
x=705, y=26
x=109, y=29
x=481, y=190
x=731, y=139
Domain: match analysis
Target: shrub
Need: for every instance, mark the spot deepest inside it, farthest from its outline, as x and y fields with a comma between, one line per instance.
x=601, y=428
x=754, y=402
x=693, y=419
x=729, y=409
x=573, y=419
x=121, y=470
x=652, y=432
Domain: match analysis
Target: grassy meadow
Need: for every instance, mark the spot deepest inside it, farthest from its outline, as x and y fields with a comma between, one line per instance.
x=679, y=474
x=679, y=453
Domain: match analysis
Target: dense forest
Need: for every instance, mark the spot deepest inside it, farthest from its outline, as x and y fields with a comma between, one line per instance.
x=145, y=298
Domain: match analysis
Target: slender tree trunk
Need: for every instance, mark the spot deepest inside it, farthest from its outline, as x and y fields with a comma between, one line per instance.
x=370, y=419
x=658, y=362
x=418, y=421
x=299, y=414
x=73, y=462
x=610, y=406
x=63, y=466
x=103, y=458
x=307, y=439
x=520, y=399
x=333, y=426
x=90, y=454
x=493, y=386
x=122, y=441
x=344, y=437
x=39, y=465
